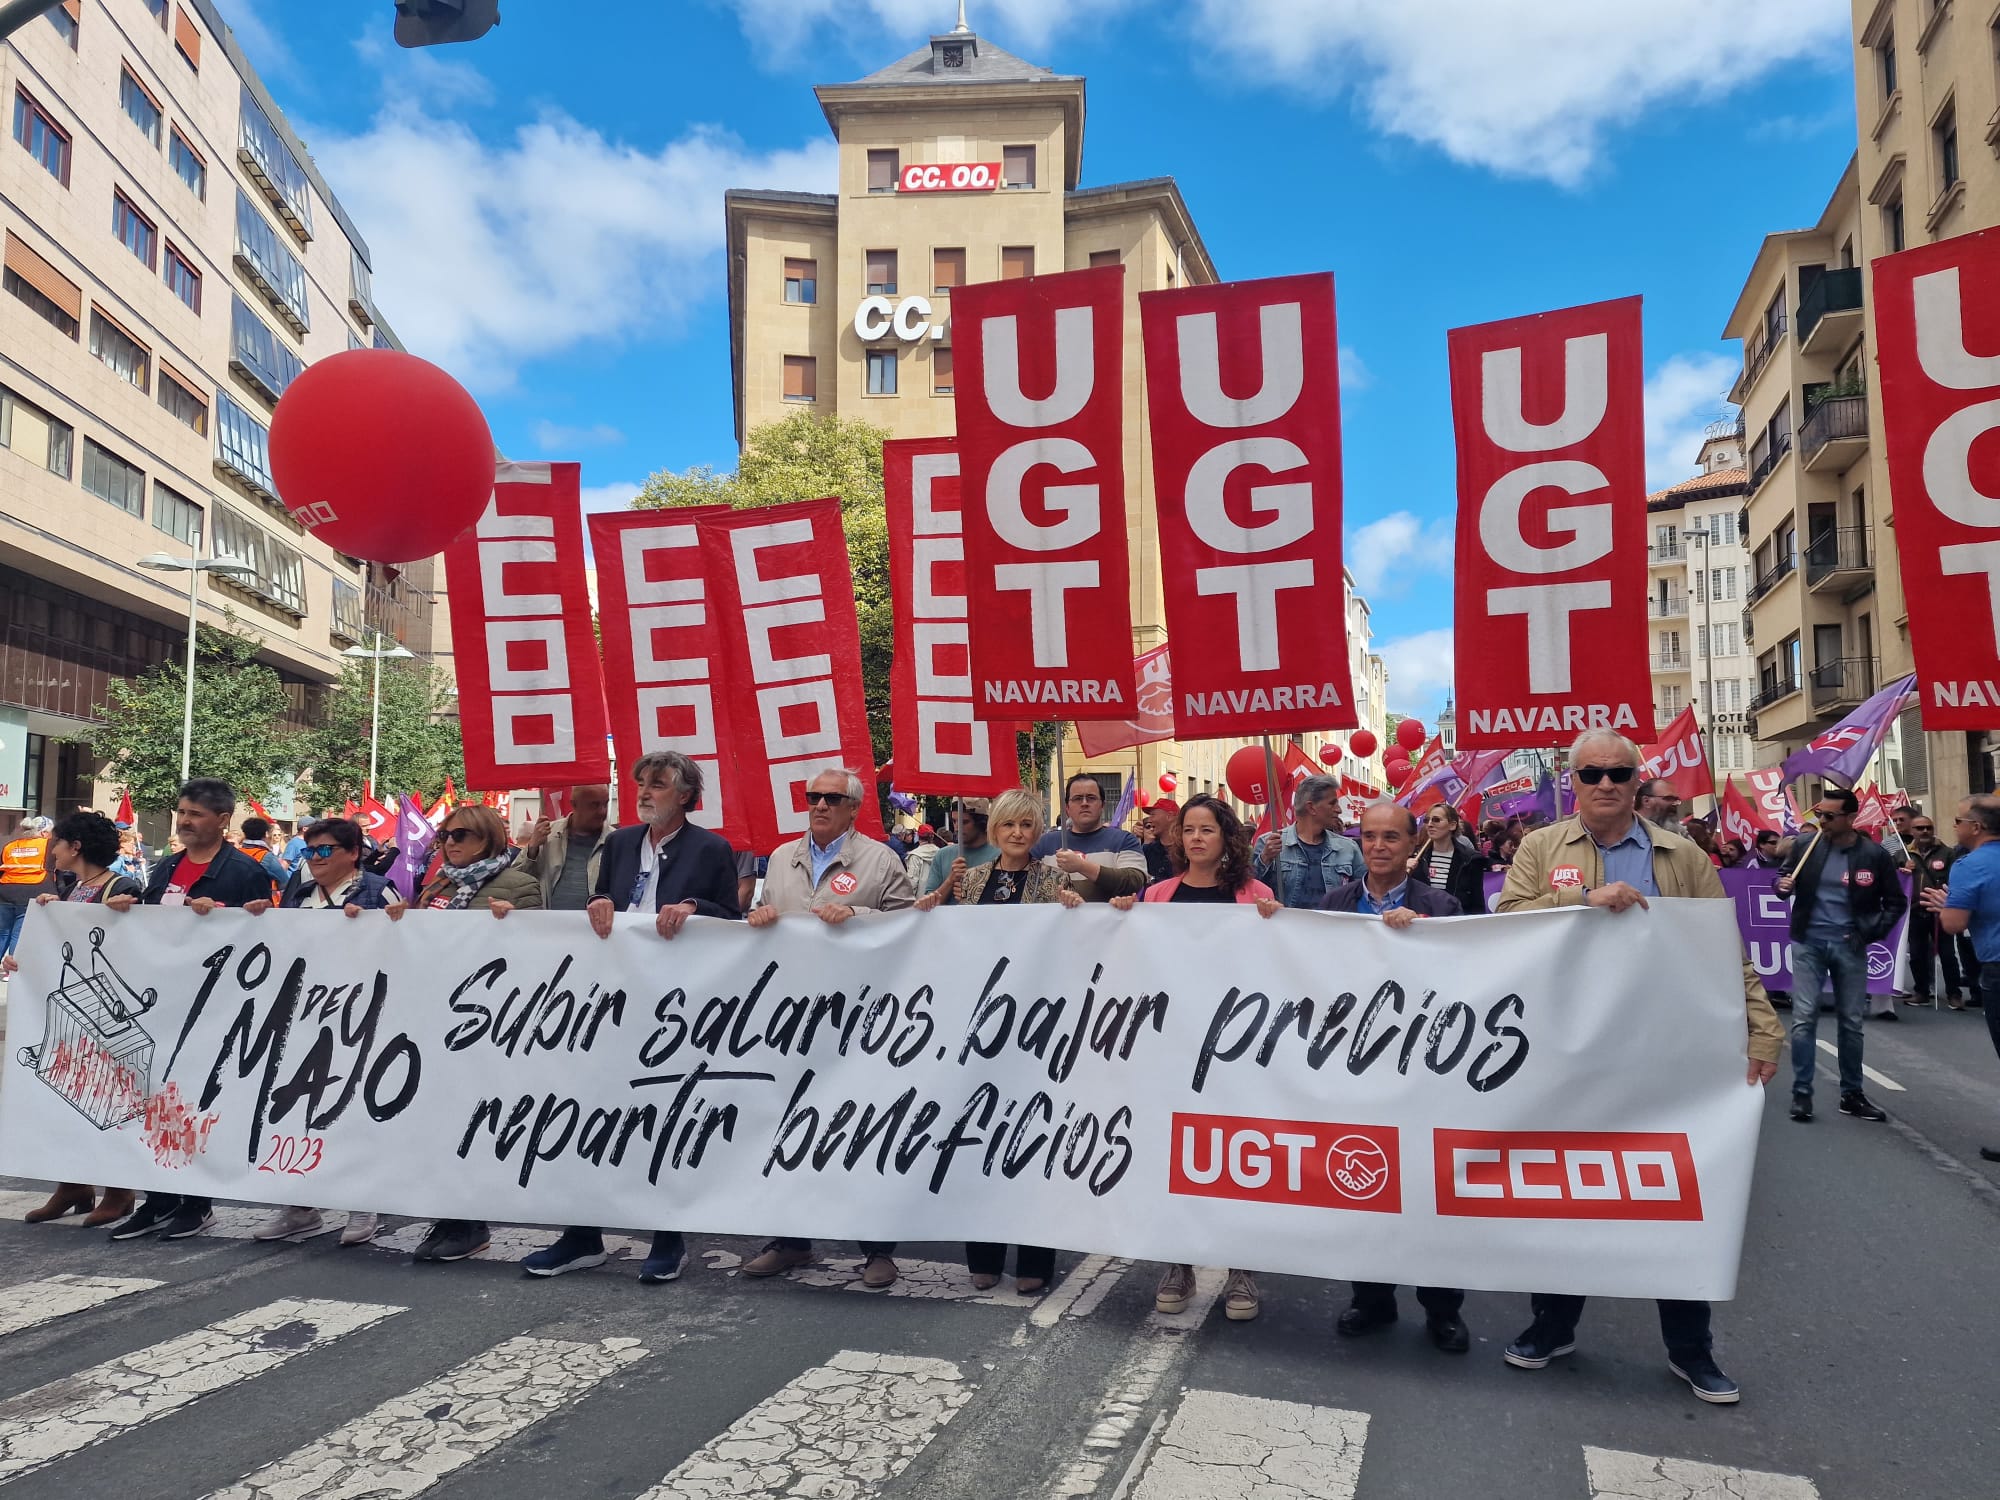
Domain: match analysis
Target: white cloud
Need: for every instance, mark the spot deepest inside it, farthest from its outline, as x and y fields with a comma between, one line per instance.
x=1354, y=374
x=615, y=496
x=1419, y=668
x=783, y=25
x=1387, y=555
x=553, y=437
x=262, y=45
x=1683, y=396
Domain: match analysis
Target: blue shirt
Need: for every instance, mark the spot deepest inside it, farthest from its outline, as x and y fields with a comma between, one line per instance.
x=1832, y=917
x=1391, y=902
x=1975, y=887
x=1631, y=860
x=822, y=858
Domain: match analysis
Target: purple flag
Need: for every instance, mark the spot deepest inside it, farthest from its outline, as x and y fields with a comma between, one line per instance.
x=1125, y=801
x=1844, y=750
x=413, y=847
x=1540, y=802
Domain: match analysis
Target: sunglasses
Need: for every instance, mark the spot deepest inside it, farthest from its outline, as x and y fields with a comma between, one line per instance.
x=1591, y=775
x=327, y=851
x=826, y=799
x=459, y=835
x=1922, y=828
x=1824, y=813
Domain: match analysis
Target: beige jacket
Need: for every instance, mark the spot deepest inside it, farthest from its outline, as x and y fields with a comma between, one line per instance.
x=865, y=875
x=546, y=863
x=1557, y=866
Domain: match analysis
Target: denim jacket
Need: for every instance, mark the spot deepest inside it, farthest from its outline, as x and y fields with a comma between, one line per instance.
x=1339, y=861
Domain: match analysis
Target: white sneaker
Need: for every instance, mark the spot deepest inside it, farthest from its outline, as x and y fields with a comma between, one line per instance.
x=289, y=1223
x=361, y=1228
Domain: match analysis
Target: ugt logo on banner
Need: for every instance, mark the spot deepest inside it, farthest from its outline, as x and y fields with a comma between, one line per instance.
x=1551, y=636
x=1243, y=393
x=1938, y=342
x=1041, y=411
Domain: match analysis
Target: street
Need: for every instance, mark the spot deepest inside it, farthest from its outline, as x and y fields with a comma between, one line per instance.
x=1863, y=1339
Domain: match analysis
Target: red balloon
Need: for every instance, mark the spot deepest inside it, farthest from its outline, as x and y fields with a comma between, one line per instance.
x=1363, y=742
x=1329, y=752
x=1168, y=782
x=1410, y=734
x=381, y=455
x=1245, y=774
x=1144, y=799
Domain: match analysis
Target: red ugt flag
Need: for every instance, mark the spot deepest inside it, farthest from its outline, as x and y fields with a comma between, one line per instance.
x=1680, y=758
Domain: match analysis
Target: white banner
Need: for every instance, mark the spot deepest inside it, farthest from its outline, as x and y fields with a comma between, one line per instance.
x=1510, y=1102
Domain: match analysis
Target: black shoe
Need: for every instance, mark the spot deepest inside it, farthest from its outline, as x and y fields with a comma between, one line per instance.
x=665, y=1260
x=453, y=1239
x=1448, y=1332
x=1802, y=1108
x=577, y=1250
x=1861, y=1107
x=190, y=1219
x=1989, y=1153
x=1887, y=1015
x=149, y=1217
x=1359, y=1321
x=1534, y=1349
x=1705, y=1378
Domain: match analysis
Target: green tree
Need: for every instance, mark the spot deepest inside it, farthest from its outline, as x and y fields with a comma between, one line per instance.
x=239, y=712
x=420, y=742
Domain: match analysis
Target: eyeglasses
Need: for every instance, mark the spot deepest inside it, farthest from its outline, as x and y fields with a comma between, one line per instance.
x=826, y=799
x=327, y=851
x=455, y=835
x=1085, y=797
x=1591, y=775
x=1922, y=828
x=1823, y=813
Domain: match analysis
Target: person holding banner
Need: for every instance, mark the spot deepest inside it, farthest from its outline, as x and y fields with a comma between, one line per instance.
x=1447, y=860
x=1100, y=861
x=832, y=872
x=1607, y=856
x=1312, y=856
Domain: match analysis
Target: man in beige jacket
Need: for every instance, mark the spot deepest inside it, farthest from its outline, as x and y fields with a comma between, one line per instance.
x=832, y=872
x=1607, y=856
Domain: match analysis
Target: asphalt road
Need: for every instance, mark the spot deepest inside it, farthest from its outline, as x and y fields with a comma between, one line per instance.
x=1865, y=1340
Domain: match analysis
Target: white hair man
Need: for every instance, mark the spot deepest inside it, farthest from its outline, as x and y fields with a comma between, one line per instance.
x=1608, y=856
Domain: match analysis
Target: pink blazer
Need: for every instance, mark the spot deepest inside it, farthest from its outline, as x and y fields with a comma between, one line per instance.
x=1253, y=891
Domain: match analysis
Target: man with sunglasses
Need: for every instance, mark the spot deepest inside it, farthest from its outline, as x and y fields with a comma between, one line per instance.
x=1608, y=856
x=1930, y=869
x=1845, y=895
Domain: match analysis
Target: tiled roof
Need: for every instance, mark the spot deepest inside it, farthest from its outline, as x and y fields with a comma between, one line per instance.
x=1721, y=479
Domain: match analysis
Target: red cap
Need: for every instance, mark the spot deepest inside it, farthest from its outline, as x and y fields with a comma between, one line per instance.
x=924, y=830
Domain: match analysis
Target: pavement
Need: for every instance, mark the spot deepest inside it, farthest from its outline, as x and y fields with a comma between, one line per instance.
x=1864, y=1340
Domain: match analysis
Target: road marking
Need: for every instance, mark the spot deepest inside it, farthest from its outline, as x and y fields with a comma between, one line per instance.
x=40, y=1426
x=1888, y=1083
x=410, y=1442
x=1159, y=1347
x=1635, y=1476
x=1082, y=1292
x=844, y=1428
x=1250, y=1448
x=33, y=1303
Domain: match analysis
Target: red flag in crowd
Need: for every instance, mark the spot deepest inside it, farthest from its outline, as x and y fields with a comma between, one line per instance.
x=1740, y=818
x=1154, y=719
x=1679, y=757
x=125, y=808
x=377, y=821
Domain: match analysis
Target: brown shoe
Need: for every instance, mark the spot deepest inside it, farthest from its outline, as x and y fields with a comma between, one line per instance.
x=880, y=1271
x=1175, y=1291
x=68, y=1198
x=1239, y=1297
x=775, y=1259
x=985, y=1281
x=1029, y=1286
x=113, y=1206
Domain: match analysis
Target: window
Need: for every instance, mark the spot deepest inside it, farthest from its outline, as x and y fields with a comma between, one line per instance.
x=279, y=572
x=64, y=19
x=1701, y=640
x=159, y=10
x=881, y=273
x=881, y=372
x=1017, y=261
x=1892, y=223
x=129, y=359
x=1944, y=140
x=947, y=269
x=30, y=431
x=140, y=106
x=176, y=515
x=349, y=619
x=1885, y=64
x=46, y=141
x=257, y=354
x=801, y=378
x=802, y=281
x=183, y=277
x=62, y=443
x=187, y=163
x=179, y=396
x=882, y=169
x=1735, y=693
x=272, y=268
x=1017, y=168
x=52, y=295
x=1104, y=258
x=133, y=228
x=110, y=478
x=187, y=40
x=941, y=370
x=1722, y=529
x=355, y=341
x=273, y=167
x=243, y=447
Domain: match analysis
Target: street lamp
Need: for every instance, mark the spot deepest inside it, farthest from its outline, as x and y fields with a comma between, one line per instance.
x=194, y=567
x=377, y=651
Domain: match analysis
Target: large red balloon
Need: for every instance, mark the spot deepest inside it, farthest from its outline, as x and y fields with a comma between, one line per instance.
x=1329, y=752
x=1168, y=782
x=1245, y=774
x=1410, y=734
x=381, y=455
x=1363, y=742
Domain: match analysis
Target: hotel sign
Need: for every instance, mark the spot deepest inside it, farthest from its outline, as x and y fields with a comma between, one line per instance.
x=949, y=177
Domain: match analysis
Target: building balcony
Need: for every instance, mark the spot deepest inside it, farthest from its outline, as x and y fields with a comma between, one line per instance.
x=1671, y=661
x=1835, y=433
x=1846, y=683
x=1773, y=690
x=1780, y=571
x=1758, y=349
x=1838, y=557
x=1830, y=312
x=268, y=162
x=1673, y=607
x=1762, y=469
x=1665, y=552
x=1749, y=629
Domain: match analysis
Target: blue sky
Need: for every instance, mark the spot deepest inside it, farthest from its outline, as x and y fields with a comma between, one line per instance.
x=545, y=205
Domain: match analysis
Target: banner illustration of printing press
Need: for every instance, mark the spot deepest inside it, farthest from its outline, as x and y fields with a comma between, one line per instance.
x=1332, y=1098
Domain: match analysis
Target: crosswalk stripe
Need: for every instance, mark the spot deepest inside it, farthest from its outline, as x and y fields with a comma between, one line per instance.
x=40, y=1426
x=410, y=1442
x=1082, y=1292
x=1636, y=1476
x=33, y=1303
x=845, y=1428
x=1222, y=1444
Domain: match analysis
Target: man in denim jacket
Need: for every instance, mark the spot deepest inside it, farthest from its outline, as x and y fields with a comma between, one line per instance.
x=1312, y=857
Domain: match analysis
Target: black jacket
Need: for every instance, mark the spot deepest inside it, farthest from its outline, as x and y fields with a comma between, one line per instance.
x=1465, y=881
x=1932, y=867
x=700, y=867
x=1424, y=900
x=1874, y=894
x=371, y=895
x=233, y=878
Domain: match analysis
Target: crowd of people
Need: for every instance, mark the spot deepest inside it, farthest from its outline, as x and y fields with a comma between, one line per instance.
x=1625, y=844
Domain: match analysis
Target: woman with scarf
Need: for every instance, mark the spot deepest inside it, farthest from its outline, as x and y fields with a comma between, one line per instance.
x=479, y=873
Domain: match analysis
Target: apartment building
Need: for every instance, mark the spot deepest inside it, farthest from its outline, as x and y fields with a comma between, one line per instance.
x=173, y=260
x=961, y=163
